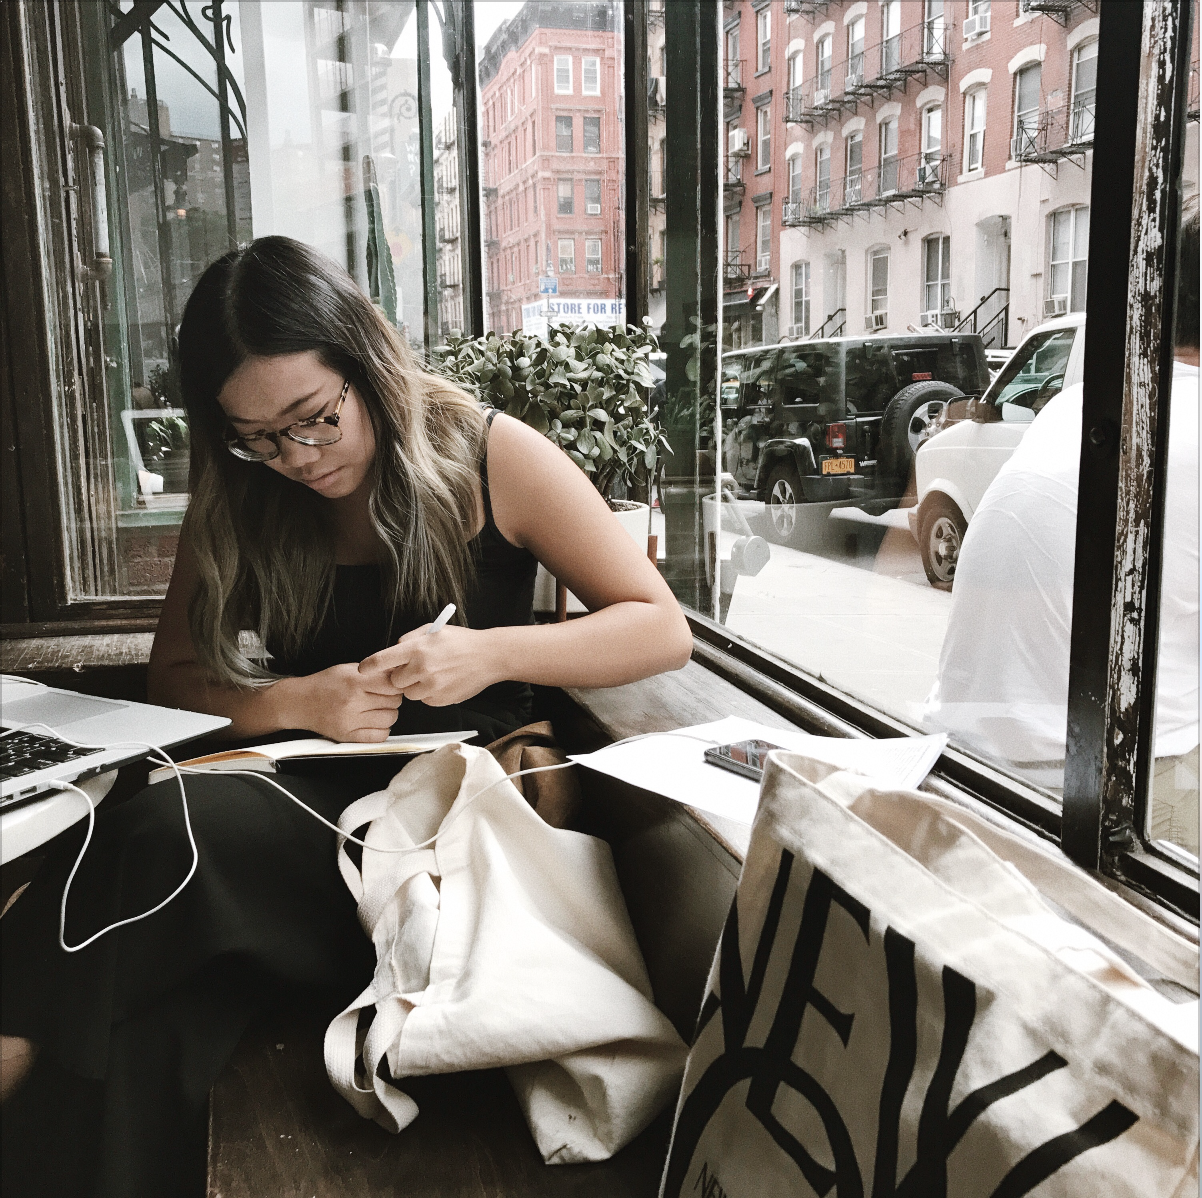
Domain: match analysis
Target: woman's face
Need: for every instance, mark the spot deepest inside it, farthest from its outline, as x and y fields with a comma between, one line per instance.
x=267, y=394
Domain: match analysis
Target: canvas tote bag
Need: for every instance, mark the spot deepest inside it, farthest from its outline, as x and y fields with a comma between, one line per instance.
x=896, y=1010
x=504, y=944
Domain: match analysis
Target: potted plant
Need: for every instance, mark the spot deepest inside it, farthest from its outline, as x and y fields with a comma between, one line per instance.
x=167, y=451
x=584, y=388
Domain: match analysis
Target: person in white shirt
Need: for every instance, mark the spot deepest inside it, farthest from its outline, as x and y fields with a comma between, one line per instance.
x=1002, y=689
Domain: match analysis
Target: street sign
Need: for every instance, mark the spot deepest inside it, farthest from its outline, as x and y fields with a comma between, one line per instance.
x=548, y=286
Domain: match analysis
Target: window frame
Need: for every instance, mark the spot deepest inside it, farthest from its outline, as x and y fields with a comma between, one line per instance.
x=763, y=137
x=878, y=298
x=590, y=258
x=942, y=243
x=570, y=258
x=587, y=123
x=822, y=177
x=801, y=293
x=975, y=99
x=565, y=196
x=584, y=61
x=763, y=236
x=559, y=63
x=1069, y=263
x=763, y=40
x=1077, y=121
x=587, y=205
x=823, y=63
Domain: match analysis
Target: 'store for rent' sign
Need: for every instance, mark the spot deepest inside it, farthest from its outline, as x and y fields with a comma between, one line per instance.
x=536, y=317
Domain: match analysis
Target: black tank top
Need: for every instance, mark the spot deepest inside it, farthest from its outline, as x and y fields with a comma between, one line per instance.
x=500, y=593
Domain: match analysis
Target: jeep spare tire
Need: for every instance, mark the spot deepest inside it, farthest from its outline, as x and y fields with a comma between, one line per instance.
x=783, y=502
x=910, y=418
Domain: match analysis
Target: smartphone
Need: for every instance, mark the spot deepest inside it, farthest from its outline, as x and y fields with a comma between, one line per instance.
x=745, y=757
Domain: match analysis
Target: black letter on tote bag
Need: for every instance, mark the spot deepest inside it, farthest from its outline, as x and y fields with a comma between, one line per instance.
x=772, y=1066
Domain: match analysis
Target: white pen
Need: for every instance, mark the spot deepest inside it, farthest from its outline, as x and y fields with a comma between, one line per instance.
x=443, y=619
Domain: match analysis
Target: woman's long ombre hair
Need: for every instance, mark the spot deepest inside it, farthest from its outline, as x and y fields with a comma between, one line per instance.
x=263, y=543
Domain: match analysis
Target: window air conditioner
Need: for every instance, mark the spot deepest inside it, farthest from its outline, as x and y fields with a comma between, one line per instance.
x=738, y=143
x=592, y=209
x=1057, y=305
x=876, y=320
x=821, y=96
x=976, y=25
x=796, y=332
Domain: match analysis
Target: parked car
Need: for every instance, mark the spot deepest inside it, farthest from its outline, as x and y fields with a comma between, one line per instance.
x=838, y=419
x=956, y=465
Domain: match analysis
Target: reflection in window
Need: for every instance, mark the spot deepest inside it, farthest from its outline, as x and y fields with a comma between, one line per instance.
x=1068, y=260
x=563, y=135
x=974, y=129
x=1085, y=86
x=936, y=279
x=801, y=299
x=592, y=135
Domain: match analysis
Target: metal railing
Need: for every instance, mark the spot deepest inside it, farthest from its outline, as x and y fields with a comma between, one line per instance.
x=894, y=181
x=1053, y=134
x=735, y=271
x=732, y=76
x=874, y=73
x=832, y=326
x=994, y=329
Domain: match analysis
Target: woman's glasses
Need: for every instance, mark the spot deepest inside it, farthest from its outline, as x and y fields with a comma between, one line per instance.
x=317, y=430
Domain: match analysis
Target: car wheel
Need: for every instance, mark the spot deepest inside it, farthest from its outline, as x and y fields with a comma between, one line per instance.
x=784, y=498
x=910, y=419
x=940, y=538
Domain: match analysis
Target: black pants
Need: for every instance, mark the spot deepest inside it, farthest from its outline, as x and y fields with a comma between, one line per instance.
x=135, y=1029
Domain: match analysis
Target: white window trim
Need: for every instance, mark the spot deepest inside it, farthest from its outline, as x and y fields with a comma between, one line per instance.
x=888, y=112
x=1084, y=32
x=823, y=30
x=555, y=69
x=974, y=172
x=796, y=46
x=929, y=96
x=583, y=60
x=856, y=10
x=978, y=78
x=855, y=125
x=1026, y=56
x=824, y=138
x=796, y=150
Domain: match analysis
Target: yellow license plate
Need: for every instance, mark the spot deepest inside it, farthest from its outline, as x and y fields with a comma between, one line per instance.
x=839, y=466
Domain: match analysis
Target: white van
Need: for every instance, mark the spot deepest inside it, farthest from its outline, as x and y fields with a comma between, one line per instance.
x=953, y=469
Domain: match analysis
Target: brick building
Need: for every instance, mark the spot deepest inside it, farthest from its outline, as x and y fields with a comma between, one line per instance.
x=552, y=153
x=899, y=164
x=446, y=224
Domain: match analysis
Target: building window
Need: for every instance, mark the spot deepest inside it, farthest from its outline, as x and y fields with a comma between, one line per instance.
x=590, y=76
x=936, y=277
x=801, y=299
x=822, y=82
x=734, y=65
x=878, y=289
x=592, y=135
x=592, y=197
x=592, y=255
x=934, y=33
x=932, y=146
x=763, y=122
x=1026, y=109
x=563, y=74
x=794, y=166
x=974, y=129
x=1069, y=260
x=1085, y=87
x=887, y=137
x=734, y=246
x=822, y=178
x=794, y=72
x=567, y=256
x=763, y=237
x=853, y=168
x=565, y=204
x=563, y=135
x=855, y=51
x=890, y=36
x=763, y=38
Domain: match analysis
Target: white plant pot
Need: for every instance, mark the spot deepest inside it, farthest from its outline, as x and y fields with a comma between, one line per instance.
x=636, y=521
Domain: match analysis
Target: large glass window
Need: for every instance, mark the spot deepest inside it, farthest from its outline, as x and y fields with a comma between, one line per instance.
x=1068, y=260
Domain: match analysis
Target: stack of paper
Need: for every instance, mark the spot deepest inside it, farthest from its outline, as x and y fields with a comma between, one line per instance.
x=673, y=763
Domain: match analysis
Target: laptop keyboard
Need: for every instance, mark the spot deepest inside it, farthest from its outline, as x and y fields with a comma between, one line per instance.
x=24, y=753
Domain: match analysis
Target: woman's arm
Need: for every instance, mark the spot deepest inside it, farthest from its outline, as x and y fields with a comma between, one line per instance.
x=543, y=502
x=341, y=702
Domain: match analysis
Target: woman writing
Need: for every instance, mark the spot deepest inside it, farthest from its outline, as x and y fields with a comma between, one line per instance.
x=342, y=495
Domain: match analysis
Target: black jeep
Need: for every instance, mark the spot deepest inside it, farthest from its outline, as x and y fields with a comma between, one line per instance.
x=839, y=419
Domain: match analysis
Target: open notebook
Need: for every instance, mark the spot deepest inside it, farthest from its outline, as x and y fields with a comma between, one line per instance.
x=266, y=758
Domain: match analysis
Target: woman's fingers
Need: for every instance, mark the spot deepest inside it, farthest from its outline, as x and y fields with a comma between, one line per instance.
x=387, y=659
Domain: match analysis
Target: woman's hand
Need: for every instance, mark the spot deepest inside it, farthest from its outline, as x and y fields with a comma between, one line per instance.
x=343, y=703
x=452, y=665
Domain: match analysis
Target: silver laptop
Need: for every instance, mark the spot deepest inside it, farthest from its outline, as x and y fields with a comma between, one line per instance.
x=30, y=760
